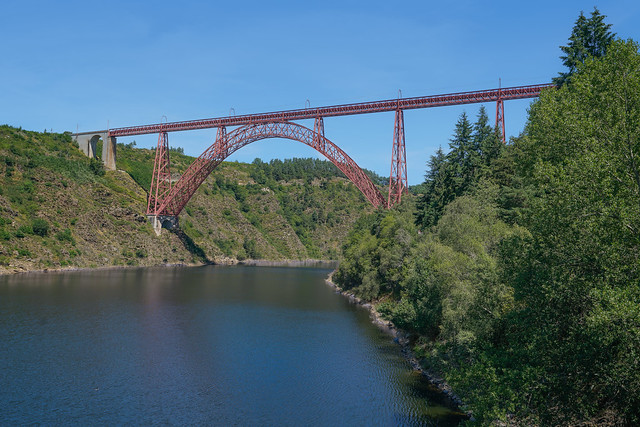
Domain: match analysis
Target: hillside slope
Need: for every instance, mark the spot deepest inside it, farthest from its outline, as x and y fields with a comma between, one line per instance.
x=59, y=209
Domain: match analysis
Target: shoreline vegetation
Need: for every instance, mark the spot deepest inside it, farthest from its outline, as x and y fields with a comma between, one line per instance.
x=517, y=271
x=404, y=340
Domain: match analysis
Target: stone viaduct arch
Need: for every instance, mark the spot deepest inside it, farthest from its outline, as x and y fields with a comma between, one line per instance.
x=88, y=143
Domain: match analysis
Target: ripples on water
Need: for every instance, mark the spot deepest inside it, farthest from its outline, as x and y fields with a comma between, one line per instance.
x=208, y=345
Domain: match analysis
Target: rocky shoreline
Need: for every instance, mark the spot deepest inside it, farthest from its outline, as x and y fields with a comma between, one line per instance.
x=98, y=268
x=223, y=261
x=403, y=340
x=290, y=263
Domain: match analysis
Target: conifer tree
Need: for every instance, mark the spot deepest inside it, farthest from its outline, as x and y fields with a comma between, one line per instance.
x=487, y=143
x=433, y=200
x=589, y=38
x=461, y=157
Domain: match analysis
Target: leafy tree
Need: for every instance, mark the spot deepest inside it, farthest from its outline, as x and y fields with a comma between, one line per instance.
x=376, y=252
x=577, y=277
x=589, y=38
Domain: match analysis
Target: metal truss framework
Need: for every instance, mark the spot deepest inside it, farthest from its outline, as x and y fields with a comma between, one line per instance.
x=491, y=95
x=228, y=143
x=398, y=183
x=500, y=116
x=161, y=178
x=165, y=199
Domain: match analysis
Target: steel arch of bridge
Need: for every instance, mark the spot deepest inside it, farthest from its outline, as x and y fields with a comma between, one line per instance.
x=176, y=198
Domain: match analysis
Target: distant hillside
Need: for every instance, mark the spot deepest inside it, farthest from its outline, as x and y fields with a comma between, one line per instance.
x=59, y=209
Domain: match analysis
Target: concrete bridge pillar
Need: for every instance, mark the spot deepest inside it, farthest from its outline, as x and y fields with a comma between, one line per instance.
x=88, y=143
x=162, y=221
x=109, y=152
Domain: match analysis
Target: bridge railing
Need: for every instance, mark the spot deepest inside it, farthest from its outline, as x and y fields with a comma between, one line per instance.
x=491, y=95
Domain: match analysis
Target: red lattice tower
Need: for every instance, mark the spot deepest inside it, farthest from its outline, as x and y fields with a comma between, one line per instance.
x=222, y=141
x=318, y=129
x=500, y=115
x=161, y=178
x=398, y=183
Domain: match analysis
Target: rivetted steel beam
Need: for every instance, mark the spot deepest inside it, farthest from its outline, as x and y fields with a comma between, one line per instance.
x=491, y=95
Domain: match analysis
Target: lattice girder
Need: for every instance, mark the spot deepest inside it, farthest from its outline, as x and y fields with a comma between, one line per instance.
x=161, y=179
x=228, y=143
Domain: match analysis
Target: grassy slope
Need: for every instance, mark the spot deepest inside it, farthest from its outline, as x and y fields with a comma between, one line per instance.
x=231, y=216
x=94, y=220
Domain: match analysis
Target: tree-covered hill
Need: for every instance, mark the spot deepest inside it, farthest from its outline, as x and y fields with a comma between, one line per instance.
x=59, y=209
x=518, y=269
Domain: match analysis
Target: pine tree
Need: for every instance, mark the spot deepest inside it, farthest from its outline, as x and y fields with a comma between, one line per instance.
x=487, y=143
x=481, y=129
x=431, y=203
x=461, y=157
x=473, y=150
x=448, y=175
x=589, y=38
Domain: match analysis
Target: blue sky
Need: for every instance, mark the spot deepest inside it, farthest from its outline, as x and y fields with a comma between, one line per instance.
x=91, y=65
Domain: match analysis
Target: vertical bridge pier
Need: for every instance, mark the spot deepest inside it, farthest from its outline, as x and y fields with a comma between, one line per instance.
x=88, y=143
x=158, y=222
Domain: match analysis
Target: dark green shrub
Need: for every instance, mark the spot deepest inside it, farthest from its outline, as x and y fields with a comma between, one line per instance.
x=24, y=253
x=40, y=227
x=250, y=249
x=65, y=236
x=225, y=245
x=28, y=187
x=96, y=167
x=24, y=230
x=141, y=253
x=127, y=254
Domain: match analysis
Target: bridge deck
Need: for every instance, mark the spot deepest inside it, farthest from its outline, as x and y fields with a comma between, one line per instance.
x=518, y=92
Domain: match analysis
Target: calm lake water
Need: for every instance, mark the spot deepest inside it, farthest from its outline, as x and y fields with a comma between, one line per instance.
x=208, y=345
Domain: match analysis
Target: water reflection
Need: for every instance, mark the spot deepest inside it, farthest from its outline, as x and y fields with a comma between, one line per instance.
x=207, y=345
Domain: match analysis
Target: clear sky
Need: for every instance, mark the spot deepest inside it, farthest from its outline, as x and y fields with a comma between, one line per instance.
x=88, y=65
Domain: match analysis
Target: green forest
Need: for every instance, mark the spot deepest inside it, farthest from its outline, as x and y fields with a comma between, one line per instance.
x=517, y=270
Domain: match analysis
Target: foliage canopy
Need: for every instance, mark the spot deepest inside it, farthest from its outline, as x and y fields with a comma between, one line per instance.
x=523, y=287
